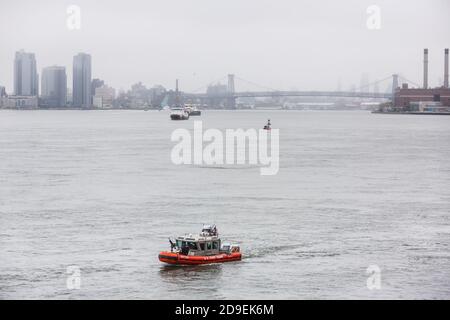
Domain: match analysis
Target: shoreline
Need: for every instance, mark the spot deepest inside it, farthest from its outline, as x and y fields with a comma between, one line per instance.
x=137, y=109
x=416, y=113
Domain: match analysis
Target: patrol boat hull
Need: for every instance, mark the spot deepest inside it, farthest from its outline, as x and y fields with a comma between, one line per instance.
x=180, y=259
x=179, y=117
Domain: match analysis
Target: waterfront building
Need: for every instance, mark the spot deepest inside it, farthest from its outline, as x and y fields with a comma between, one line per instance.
x=139, y=96
x=26, y=81
x=20, y=102
x=54, y=87
x=428, y=107
x=406, y=99
x=404, y=96
x=96, y=83
x=104, y=97
x=82, y=81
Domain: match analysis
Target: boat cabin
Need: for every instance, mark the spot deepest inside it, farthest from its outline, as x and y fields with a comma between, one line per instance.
x=199, y=245
x=207, y=243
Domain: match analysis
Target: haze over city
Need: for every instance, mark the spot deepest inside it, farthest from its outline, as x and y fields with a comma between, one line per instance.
x=283, y=45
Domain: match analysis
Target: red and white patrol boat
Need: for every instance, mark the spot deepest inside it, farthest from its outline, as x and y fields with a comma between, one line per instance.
x=204, y=248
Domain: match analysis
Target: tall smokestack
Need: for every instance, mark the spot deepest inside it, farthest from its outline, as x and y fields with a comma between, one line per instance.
x=446, y=69
x=425, y=68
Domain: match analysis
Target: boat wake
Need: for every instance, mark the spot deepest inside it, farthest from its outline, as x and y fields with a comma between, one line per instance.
x=297, y=250
x=253, y=253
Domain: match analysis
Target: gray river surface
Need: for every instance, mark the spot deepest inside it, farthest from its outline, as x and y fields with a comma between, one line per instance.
x=98, y=190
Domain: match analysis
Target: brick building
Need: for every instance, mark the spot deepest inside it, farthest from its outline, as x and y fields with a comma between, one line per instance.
x=404, y=96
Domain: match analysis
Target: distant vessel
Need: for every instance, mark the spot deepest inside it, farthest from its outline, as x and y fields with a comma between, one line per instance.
x=192, y=110
x=188, y=108
x=179, y=113
x=195, y=112
x=203, y=248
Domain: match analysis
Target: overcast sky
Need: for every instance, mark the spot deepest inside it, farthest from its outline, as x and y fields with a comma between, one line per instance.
x=282, y=44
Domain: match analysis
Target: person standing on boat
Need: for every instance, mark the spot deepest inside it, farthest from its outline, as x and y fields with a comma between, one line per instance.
x=185, y=249
x=267, y=126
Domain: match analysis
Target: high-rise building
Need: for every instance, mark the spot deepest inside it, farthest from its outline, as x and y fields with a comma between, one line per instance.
x=26, y=81
x=82, y=80
x=2, y=96
x=54, y=87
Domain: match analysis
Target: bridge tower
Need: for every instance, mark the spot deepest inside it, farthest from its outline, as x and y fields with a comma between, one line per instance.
x=231, y=100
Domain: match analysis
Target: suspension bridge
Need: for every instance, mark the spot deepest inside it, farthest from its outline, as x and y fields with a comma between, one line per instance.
x=230, y=95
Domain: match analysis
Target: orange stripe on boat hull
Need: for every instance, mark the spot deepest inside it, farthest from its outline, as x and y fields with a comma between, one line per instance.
x=180, y=259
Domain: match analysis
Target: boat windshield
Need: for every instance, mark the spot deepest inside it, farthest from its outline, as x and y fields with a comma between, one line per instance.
x=190, y=244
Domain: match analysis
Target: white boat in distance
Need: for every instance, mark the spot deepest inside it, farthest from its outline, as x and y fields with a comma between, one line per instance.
x=179, y=113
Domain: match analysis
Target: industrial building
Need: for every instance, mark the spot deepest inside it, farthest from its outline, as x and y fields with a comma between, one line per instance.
x=425, y=99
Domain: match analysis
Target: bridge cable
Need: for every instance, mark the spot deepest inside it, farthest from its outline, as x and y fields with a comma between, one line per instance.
x=411, y=82
x=257, y=85
x=373, y=83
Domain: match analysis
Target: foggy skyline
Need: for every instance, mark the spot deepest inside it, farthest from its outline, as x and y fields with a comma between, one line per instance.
x=308, y=45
